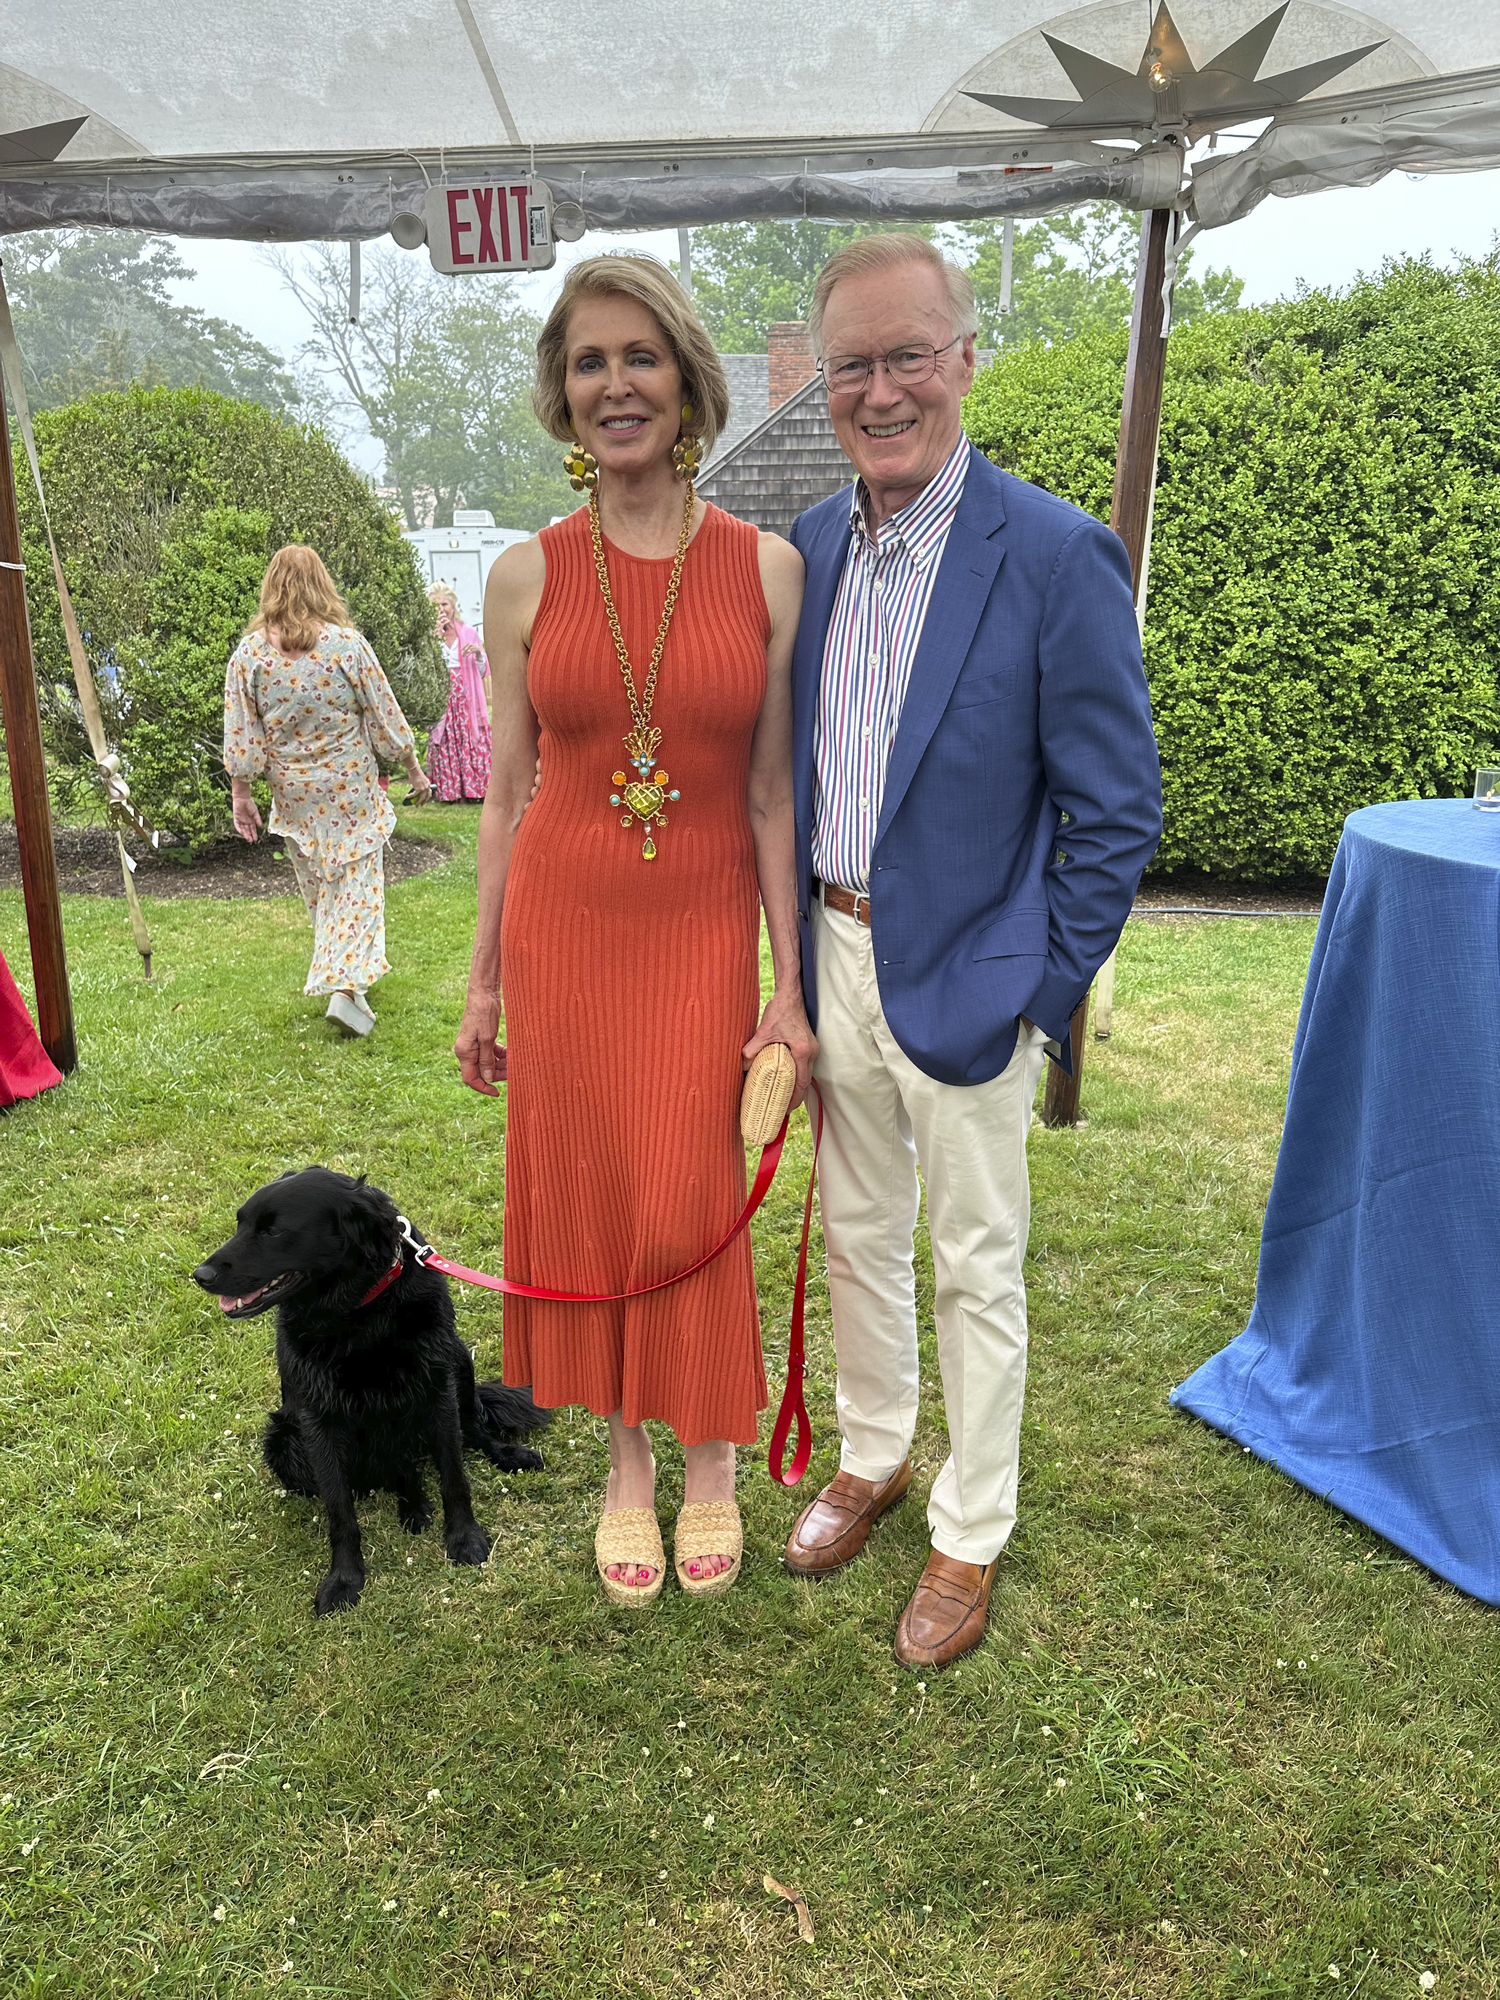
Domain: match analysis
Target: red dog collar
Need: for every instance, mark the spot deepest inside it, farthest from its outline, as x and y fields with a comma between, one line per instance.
x=382, y=1283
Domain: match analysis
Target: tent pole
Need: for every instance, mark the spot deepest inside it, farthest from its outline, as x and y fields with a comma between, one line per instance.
x=1129, y=516
x=28, y=784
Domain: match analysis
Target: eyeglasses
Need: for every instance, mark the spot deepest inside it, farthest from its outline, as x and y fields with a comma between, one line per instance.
x=915, y=362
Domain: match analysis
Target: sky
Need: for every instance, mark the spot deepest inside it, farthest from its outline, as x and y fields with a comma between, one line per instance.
x=1322, y=239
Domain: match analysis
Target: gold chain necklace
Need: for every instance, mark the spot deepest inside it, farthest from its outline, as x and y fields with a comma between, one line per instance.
x=646, y=793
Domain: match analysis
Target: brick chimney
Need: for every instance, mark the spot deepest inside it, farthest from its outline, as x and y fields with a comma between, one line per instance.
x=790, y=358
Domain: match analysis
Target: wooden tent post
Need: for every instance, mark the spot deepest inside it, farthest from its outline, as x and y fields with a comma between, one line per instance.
x=28, y=783
x=1129, y=516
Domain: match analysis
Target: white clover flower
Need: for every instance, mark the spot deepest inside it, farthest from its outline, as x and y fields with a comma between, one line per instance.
x=884, y=1791
x=1059, y=1784
x=389, y=1903
x=220, y=1913
x=708, y=1822
x=31, y=1845
x=433, y=1794
x=859, y=1822
x=286, y=1965
x=1046, y=1729
x=1427, y=1980
x=661, y=1874
x=1333, y=1971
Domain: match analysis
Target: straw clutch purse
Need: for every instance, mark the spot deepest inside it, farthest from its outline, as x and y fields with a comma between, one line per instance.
x=769, y=1083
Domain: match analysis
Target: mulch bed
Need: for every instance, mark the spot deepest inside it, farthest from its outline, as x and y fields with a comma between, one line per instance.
x=1196, y=895
x=88, y=864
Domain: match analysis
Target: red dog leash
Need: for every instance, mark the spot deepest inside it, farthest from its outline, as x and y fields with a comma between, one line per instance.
x=792, y=1404
x=793, y=1407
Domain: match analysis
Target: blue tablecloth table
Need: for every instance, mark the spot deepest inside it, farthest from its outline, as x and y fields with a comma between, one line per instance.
x=1370, y=1369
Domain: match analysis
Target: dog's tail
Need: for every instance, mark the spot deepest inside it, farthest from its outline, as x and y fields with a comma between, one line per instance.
x=507, y=1413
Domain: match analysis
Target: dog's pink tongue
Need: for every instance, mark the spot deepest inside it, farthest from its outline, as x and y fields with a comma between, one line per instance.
x=227, y=1304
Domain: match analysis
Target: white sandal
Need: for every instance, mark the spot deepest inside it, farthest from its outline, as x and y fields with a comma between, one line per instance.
x=352, y=1013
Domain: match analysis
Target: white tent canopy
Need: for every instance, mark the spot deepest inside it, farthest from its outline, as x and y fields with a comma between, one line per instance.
x=287, y=119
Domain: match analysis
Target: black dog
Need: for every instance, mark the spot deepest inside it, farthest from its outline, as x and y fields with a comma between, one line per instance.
x=374, y=1380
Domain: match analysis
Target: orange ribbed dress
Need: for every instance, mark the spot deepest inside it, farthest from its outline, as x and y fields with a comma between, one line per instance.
x=630, y=987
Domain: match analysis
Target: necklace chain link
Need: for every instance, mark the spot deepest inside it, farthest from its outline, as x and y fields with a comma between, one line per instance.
x=640, y=706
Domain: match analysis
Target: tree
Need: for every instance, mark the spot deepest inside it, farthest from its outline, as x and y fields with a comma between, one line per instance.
x=167, y=505
x=1323, y=624
x=440, y=370
x=747, y=276
x=1069, y=271
x=93, y=310
x=1073, y=271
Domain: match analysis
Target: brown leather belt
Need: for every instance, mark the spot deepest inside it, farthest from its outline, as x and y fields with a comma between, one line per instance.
x=846, y=902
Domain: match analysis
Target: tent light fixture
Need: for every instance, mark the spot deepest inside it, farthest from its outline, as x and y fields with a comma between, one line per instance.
x=410, y=231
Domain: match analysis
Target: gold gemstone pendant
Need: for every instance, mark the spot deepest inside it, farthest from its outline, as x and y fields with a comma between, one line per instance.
x=646, y=794
x=643, y=799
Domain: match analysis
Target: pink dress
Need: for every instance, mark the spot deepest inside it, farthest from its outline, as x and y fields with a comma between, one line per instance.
x=458, y=750
x=25, y=1069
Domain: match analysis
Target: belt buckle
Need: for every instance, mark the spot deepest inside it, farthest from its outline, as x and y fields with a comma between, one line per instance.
x=858, y=918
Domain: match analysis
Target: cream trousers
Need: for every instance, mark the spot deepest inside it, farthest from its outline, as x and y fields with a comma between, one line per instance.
x=883, y=1117
x=348, y=916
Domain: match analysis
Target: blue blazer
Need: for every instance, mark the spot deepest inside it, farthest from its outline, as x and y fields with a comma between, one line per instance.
x=1023, y=795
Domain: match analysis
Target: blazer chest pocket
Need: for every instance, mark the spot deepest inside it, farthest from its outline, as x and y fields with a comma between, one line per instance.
x=1018, y=934
x=987, y=687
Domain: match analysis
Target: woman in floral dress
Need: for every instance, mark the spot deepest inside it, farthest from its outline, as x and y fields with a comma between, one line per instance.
x=458, y=750
x=306, y=703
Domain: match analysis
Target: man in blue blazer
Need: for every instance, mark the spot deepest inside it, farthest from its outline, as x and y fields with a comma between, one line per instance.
x=977, y=794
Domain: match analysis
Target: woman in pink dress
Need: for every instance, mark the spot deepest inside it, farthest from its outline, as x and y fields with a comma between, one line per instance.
x=458, y=750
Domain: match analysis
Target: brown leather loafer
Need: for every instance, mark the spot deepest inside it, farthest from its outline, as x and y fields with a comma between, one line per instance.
x=833, y=1530
x=947, y=1613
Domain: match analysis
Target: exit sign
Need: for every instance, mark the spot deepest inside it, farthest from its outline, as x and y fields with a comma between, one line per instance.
x=496, y=226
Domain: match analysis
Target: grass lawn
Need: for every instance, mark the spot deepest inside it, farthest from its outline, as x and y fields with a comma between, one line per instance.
x=1219, y=1741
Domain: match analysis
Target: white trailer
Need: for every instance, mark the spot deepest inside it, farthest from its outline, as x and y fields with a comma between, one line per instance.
x=460, y=556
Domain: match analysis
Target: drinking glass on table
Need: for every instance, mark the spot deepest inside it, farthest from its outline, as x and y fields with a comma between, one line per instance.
x=1487, y=790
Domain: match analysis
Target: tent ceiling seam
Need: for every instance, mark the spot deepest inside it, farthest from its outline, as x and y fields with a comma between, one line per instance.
x=482, y=57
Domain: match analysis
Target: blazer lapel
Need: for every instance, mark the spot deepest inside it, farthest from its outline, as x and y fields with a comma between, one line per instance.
x=966, y=574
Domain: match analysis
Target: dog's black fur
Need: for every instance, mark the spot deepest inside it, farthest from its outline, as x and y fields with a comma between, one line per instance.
x=368, y=1392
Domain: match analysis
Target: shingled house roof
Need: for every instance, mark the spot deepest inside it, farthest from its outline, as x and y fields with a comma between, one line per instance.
x=788, y=463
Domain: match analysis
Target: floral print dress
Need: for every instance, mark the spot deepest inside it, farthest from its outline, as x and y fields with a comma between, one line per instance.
x=314, y=725
x=458, y=750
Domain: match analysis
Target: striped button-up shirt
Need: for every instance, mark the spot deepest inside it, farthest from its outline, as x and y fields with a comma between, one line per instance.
x=867, y=660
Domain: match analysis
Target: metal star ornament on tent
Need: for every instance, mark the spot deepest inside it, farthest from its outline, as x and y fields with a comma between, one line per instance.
x=1168, y=87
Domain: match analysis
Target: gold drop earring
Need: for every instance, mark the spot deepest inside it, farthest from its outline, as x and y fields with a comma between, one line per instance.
x=579, y=464
x=687, y=453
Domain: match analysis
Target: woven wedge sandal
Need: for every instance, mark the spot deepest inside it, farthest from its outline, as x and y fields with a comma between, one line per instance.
x=707, y=1528
x=630, y=1535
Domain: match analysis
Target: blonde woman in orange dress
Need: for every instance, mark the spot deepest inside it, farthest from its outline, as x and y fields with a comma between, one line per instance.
x=643, y=645
x=305, y=703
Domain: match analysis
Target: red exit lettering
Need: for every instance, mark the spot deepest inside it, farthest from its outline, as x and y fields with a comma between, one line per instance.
x=457, y=228
x=484, y=202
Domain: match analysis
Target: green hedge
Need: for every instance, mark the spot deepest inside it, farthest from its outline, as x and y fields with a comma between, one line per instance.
x=167, y=505
x=1323, y=623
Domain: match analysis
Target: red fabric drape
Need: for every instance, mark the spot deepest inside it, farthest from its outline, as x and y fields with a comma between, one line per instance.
x=25, y=1069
